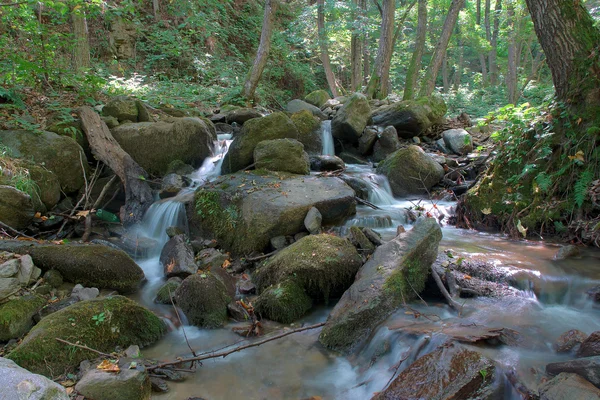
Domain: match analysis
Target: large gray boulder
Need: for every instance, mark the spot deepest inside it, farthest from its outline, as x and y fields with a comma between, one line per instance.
x=177, y=257
x=411, y=171
x=154, y=145
x=285, y=155
x=16, y=207
x=125, y=108
x=309, y=131
x=241, y=152
x=59, y=154
x=381, y=285
x=566, y=386
x=19, y=384
x=244, y=211
x=411, y=117
x=458, y=140
x=387, y=144
x=296, y=105
x=317, y=98
x=242, y=115
x=351, y=119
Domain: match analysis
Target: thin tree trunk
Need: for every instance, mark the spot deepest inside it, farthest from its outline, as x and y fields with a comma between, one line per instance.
x=445, y=80
x=484, y=77
x=356, y=46
x=415, y=61
x=380, y=79
x=486, y=20
x=459, y=67
x=366, y=60
x=478, y=15
x=262, y=54
x=323, y=46
x=440, y=50
x=81, y=50
x=511, y=71
x=401, y=22
x=155, y=8
x=493, y=64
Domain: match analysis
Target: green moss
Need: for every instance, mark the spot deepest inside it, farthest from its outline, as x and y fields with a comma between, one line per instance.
x=167, y=291
x=405, y=283
x=16, y=316
x=124, y=323
x=203, y=298
x=284, y=302
x=317, y=98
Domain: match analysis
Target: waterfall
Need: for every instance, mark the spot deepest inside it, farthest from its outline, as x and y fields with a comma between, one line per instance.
x=327, y=139
x=380, y=192
x=211, y=167
x=160, y=216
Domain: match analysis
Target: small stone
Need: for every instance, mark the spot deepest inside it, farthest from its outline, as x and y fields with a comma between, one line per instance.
x=279, y=242
x=247, y=287
x=400, y=229
x=133, y=351
x=313, y=221
x=567, y=252
x=82, y=293
x=416, y=140
x=159, y=385
x=237, y=312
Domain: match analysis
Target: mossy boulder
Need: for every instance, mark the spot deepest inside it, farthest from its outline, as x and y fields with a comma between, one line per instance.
x=48, y=184
x=154, y=145
x=284, y=302
x=322, y=265
x=203, y=299
x=296, y=105
x=16, y=207
x=286, y=155
x=241, y=115
x=74, y=130
x=387, y=143
x=167, y=291
x=411, y=117
x=59, y=154
x=102, y=324
x=128, y=384
x=244, y=211
x=395, y=273
x=91, y=265
x=125, y=108
x=317, y=98
x=351, y=119
x=16, y=316
x=309, y=131
x=411, y=171
x=241, y=152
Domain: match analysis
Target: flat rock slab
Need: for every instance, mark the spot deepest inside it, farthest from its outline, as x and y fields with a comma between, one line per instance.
x=587, y=367
x=567, y=386
x=18, y=383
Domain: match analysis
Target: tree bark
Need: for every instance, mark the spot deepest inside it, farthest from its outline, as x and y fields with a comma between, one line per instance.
x=484, y=77
x=569, y=38
x=493, y=64
x=262, y=54
x=440, y=50
x=366, y=60
x=380, y=79
x=81, y=50
x=155, y=8
x=323, y=46
x=511, y=70
x=415, y=62
x=459, y=67
x=356, y=46
x=138, y=195
x=445, y=80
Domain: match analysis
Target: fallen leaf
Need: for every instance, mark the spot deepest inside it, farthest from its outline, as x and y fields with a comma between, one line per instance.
x=226, y=264
x=521, y=229
x=486, y=211
x=37, y=215
x=83, y=213
x=467, y=277
x=109, y=366
x=579, y=156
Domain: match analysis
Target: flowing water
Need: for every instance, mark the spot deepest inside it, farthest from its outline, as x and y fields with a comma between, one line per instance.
x=327, y=139
x=297, y=367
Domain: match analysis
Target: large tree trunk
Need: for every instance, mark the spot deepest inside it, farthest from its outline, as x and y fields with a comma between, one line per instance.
x=138, y=195
x=356, y=46
x=569, y=39
x=511, y=70
x=366, y=60
x=494, y=44
x=440, y=49
x=262, y=54
x=323, y=46
x=417, y=56
x=81, y=49
x=380, y=79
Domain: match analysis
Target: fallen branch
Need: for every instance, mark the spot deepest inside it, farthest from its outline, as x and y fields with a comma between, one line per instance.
x=84, y=348
x=88, y=217
x=2, y=224
x=366, y=203
x=258, y=258
x=442, y=288
x=224, y=354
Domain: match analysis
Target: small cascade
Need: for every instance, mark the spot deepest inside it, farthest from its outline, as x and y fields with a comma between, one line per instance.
x=328, y=148
x=211, y=167
x=372, y=221
x=380, y=192
x=160, y=216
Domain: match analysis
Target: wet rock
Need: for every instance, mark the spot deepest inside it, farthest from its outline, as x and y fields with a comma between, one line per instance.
x=159, y=385
x=411, y=171
x=211, y=258
x=179, y=167
x=102, y=324
x=567, y=386
x=313, y=220
x=242, y=115
x=387, y=144
x=350, y=157
x=203, y=298
x=590, y=346
x=381, y=285
x=244, y=211
x=81, y=293
x=58, y=154
x=411, y=117
x=458, y=141
x=241, y=152
x=295, y=106
x=173, y=231
x=171, y=185
x=587, y=367
x=284, y=302
x=367, y=141
x=322, y=265
x=154, y=145
x=309, y=131
x=16, y=207
x=568, y=340
x=237, y=312
x=18, y=383
x=361, y=241
x=177, y=257
x=167, y=291
x=286, y=155
x=128, y=384
x=566, y=252
x=317, y=98
x=594, y=293
x=53, y=278
x=16, y=316
x=351, y=119
x=373, y=236
x=246, y=287
x=450, y=372
x=358, y=185
x=326, y=163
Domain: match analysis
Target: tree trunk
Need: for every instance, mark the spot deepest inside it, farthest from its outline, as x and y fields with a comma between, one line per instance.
x=569, y=39
x=494, y=44
x=138, y=195
x=461, y=57
x=445, y=80
x=415, y=61
x=81, y=50
x=366, y=60
x=356, y=46
x=262, y=54
x=380, y=79
x=511, y=70
x=440, y=49
x=483, y=70
x=155, y=8
x=323, y=46
x=486, y=20
x=478, y=15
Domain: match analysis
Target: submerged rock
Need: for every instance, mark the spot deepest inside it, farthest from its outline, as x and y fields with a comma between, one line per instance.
x=284, y=302
x=567, y=386
x=18, y=383
x=411, y=117
x=285, y=155
x=565, y=252
x=381, y=285
x=568, y=340
x=203, y=299
x=351, y=119
x=101, y=324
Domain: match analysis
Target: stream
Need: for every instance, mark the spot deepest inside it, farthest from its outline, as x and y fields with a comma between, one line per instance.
x=298, y=367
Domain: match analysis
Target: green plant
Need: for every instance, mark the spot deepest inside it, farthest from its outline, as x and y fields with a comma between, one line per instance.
x=99, y=318
x=483, y=373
